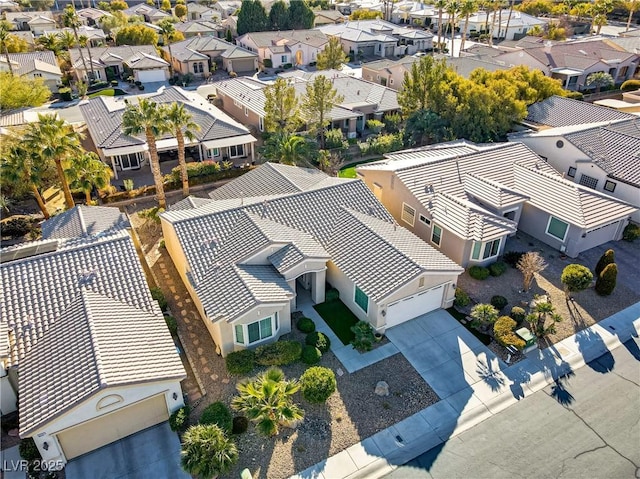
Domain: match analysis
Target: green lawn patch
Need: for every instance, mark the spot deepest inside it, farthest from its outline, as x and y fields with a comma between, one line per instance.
x=339, y=318
x=350, y=170
x=108, y=92
x=484, y=338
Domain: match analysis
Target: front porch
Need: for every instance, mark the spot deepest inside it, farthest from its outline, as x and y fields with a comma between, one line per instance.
x=310, y=286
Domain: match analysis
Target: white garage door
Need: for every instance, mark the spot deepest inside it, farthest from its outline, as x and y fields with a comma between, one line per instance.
x=146, y=76
x=413, y=306
x=106, y=429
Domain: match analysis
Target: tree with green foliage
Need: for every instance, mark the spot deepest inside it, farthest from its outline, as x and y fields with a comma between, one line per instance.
x=599, y=80
x=267, y=400
x=286, y=148
x=19, y=92
x=87, y=172
x=425, y=127
x=136, y=34
x=630, y=6
x=439, y=5
x=165, y=6
x=607, y=258
x=536, y=7
x=279, y=16
x=575, y=278
x=167, y=29
x=115, y=21
x=181, y=123
x=421, y=86
x=50, y=42
x=362, y=14
x=151, y=119
x=606, y=280
x=117, y=5
x=14, y=44
x=228, y=37
x=538, y=319
x=319, y=100
x=252, y=17
x=332, y=56
x=281, y=107
x=599, y=11
x=483, y=314
x=301, y=17
x=71, y=20
x=180, y=11
x=467, y=7
x=83, y=42
x=207, y=452
x=452, y=9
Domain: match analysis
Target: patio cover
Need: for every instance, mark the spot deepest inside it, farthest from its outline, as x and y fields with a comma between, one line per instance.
x=125, y=150
x=233, y=140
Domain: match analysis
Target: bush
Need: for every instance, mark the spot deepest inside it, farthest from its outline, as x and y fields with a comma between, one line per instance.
x=218, y=413
x=375, y=125
x=311, y=354
x=28, y=449
x=630, y=85
x=172, y=324
x=479, y=272
x=498, y=268
x=278, y=353
x=331, y=295
x=317, y=384
x=380, y=144
x=306, y=325
x=267, y=63
x=503, y=332
x=334, y=138
x=607, y=258
x=462, y=298
x=319, y=340
x=65, y=94
x=631, y=232
x=364, y=337
x=17, y=226
x=240, y=362
x=518, y=314
x=286, y=66
x=576, y=277
x=498, y=302
x=141, y=87
x=114, y=82
x=575, y=95
x=179, y=420
x=240, y=425
x=158, y=295
x=99, y=85
x=512, y=257
x=606, y=282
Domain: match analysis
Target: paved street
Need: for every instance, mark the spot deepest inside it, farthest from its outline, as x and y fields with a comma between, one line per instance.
x=586, y=426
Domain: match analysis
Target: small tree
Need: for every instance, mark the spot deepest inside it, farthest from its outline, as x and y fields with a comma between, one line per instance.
x=333, y=55
x=575, y=278
x=538, y=318
x=607, y=258
x=529, y=264
x=606, y=281
x=207, y=452
x=483, y=314
x=599, y=80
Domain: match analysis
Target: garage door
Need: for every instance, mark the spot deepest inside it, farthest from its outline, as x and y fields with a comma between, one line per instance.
x=413, y=306
x=146, y=76
x=113, y=426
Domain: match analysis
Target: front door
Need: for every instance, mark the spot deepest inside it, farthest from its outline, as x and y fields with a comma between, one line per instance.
x=130, y=162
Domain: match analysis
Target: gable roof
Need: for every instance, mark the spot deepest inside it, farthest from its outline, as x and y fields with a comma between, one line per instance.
x=196, y=26
x=103, y=56
x=315, y=38
x=560, y=111
x=24, y=63
x=97, y=343
x=578, y=54
x=370, y=30
x=194, y=47
x=84, y=220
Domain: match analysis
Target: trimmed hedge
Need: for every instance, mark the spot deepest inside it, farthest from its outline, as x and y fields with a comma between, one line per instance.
x=631, y=232
x=158, y=295
x=311, y=355
x=630, y=85
x=479, y=272
x=503, y=332
x=240, y=425
x=319, y=340
x=172, y=324
x=462, y=298
x=498, y=268
x=218, y=413
x=240, y=362
x=279, y=353
x=498, y=302
x=306, y=325
x=317, y=384
x=606, y=282
x=179, y=419
x=28, y=449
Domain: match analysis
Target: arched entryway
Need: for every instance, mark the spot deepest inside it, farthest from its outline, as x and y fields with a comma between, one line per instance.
x=299, y=58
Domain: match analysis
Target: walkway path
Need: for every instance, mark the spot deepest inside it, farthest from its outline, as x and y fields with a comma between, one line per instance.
x=489, y=390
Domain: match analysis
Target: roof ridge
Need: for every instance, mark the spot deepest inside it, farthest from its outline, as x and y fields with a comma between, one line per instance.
x=95, y=350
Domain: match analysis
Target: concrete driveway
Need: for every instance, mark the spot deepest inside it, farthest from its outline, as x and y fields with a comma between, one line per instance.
x=149, y=454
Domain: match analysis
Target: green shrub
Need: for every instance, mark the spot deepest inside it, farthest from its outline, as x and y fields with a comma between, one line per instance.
x=630, y=85
x=331, y=295
x=311, y=354
x=158, y=295
x=267, y=63
x=17, y=226
x=179, y=419
x=240, y=362
x=498, y=268
x=375, y=125
x=317, y=384
x=319, y=340
x=172, y=324
x=240, y=425
x=334, y=138
x=462, y=298
x=364, y=336
x=306, y=325
x=512, y=257
x=518, y=314
x=498, y=302
x=631, y=232
x=479, y=272
x=65, y=94
x=503, y=332
x=278, y=353
x=28, y=449
x=607, y=257
x=606, y=282
x=380, y=144
x=218, y=413
x=575, y=95
x=576, y=277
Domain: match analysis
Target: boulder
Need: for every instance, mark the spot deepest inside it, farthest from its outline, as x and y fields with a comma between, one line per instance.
x=382, y=388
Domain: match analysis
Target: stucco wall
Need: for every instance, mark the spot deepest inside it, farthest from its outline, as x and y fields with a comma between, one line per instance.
x=262, y=311
x=534, y=222
x=237, y=112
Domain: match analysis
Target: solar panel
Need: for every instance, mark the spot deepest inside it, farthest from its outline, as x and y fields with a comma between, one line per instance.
x=28, y=251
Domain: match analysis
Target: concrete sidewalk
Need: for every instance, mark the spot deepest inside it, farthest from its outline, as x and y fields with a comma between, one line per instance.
x=381, y=453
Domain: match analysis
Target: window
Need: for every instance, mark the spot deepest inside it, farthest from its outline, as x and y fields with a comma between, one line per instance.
x=557, y=228
x=572, y=172
x=408, y=214
x=488, y=249
x=436, y=235
x=239, y=334
x=362, y=300
x=236, y=150
x=510, y=215
x=283, y=59
x=257, y=331
x=391, y=82
x=246, y=111
x=622, y=74
x=588, y=181
x=213, y=152
x=425, y=220
x=610, y=186
x=37, y=75
x=261, y=123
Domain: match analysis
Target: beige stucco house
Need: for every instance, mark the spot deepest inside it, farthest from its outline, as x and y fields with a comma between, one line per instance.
x=281, y=231
x=33, y=65
x=36, y=22
x=294, y=47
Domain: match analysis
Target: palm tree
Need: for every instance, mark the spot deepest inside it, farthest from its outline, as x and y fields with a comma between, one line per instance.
x=495, y=4
x=452, y=8
x=631, y=6
x=89, y=172
x=268, y=401
x=167, y=29
x=149, y=118
x=50, y=42
x=467, y=7
x=511, y=4
x=5, y=28
x=58, y=142
x=483, y=314
x=286, y=148
x=181, y=123
x=71, y=20
x=84, y=42
x=440, y=5
x=207, y=451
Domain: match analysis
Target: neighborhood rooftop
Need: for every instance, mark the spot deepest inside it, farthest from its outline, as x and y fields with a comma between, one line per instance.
x=559, y=111
x=84, y=221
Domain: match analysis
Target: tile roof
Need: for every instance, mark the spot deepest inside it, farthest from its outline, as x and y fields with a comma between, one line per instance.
x=34, y=61
x=578, y=54
x=314, y=38
x=97, y=343
x=105, y=56
x=559, y=111
x=185, y=49
x=93, y=13
x=91, y=33
x=13, y=16
x=196, y=26
x=368, y=30
x=188, y=203
x=84, y=220
x=36, y=290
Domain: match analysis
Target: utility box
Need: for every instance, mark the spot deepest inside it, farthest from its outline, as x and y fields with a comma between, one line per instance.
x=526, y=336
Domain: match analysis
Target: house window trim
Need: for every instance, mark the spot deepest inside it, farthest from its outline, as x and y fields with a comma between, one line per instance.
x=402, y=214
x=424, y=220
x=236, y=147
x=275, y=328
x=261, y=123
x=483, y=248
x=566, y=231
x=607, y=183
x=355, y=295
x=433, y=231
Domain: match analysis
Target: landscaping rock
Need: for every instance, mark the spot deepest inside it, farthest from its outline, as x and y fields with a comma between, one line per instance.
x=382, y=388
x=540, y=299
